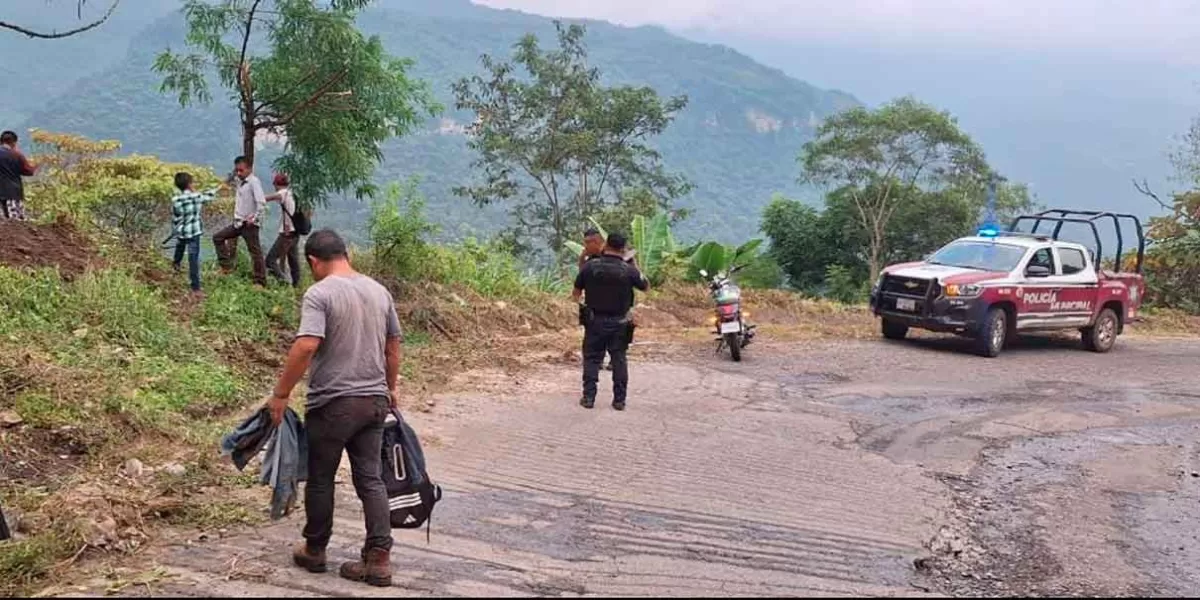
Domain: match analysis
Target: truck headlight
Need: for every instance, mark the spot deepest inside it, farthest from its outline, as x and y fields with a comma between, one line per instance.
x=963, y=291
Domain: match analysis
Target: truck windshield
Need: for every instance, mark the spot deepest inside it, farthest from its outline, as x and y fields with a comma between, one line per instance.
x=984, y=256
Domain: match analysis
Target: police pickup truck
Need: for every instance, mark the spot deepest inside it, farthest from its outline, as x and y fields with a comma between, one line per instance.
x=996, y=285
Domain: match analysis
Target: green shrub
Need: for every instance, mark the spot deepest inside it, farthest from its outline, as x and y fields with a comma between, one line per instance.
x=762, y=272
x=843, y=285
x=548, y=281
x=488, y=268
x=399, y=232
x=398, y=229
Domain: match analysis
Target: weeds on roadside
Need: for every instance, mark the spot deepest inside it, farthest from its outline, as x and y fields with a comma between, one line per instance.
x=237, y=311
x=103, y=360
x=399, y=231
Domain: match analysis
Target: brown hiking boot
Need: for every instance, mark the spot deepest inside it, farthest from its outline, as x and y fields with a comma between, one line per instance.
x=309, y=559
x=374, y=569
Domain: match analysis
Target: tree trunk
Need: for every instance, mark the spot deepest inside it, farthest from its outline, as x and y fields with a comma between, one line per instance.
x=873, y=258
x=248, y=142
x=248, y=113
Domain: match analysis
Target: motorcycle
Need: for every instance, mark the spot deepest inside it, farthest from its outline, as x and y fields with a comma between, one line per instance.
x=732, y=330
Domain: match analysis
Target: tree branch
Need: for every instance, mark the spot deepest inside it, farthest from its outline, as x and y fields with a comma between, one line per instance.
x=56, y=35
x=245, y=89
x=608, y=165
x=1144, y=189
x=300, y=83
x=246, y=34
x=316, y=96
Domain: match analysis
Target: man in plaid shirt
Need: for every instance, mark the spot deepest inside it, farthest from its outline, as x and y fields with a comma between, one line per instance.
x=185, y=219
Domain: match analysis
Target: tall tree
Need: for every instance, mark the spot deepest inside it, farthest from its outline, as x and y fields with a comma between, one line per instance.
x=301, y=71
x=806, y=242
x=802, y=241
x=875, y=156
x=557, y=143
x=55, y=34
x=1172, y=261
x=633, y=203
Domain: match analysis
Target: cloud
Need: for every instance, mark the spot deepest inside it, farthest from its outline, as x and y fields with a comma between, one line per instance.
x=1165, y=28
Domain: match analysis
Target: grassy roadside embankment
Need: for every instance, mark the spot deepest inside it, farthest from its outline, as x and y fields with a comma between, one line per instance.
x=115, y=385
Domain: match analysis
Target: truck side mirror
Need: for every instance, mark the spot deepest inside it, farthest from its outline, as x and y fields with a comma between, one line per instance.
x=1037, y=271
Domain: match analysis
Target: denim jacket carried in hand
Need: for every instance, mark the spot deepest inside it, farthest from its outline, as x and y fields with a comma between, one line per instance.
x=285, y=461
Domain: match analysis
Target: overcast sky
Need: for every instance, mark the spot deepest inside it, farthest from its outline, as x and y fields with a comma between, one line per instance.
x=1162, y=29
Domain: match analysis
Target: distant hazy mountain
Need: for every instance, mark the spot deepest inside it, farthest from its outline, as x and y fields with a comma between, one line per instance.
x=737, y=140
x=1076, y=128
x=35, y=70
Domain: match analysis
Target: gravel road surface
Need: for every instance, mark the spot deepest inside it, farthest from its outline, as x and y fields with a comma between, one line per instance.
x=821, y=468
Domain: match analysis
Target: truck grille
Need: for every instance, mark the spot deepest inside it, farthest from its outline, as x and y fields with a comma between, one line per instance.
x=905, y=286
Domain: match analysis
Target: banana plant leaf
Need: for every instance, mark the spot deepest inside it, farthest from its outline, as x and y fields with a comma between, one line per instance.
x=745, y=252
x=575, y=248
x=711, y=257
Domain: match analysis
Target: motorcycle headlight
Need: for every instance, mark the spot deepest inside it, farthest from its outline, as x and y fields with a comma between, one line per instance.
x=964, y=290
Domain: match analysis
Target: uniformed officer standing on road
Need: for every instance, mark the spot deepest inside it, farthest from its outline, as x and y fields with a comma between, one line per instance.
x=593, y=248
x=607, y=283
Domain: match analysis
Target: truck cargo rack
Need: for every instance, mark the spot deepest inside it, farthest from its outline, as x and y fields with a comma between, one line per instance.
x=1061, y=216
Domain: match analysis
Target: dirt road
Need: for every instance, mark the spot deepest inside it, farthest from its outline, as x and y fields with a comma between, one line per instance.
x=809, y=469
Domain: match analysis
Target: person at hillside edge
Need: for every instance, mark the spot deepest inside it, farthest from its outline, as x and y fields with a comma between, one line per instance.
x=607, y=284
x=593, y=246
x=185, y=219
x=350, y=334
x=248, y=213
x=286, y=247
x=13, y=166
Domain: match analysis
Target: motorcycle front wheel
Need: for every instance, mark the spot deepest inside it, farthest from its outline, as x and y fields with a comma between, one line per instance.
x=735, y=346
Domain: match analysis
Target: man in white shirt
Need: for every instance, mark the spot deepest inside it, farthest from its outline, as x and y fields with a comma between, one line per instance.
x=287, y=245
x=248, y=213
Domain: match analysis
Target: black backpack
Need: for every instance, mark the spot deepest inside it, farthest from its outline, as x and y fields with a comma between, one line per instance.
x=411, y=494
x=301, y=224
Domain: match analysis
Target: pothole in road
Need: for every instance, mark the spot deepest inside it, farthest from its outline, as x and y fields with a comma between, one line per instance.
x=811, y=378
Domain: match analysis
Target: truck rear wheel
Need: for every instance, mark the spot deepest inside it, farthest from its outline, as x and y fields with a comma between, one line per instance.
x=1102, y=335
x=993, y=334
x=894, y=330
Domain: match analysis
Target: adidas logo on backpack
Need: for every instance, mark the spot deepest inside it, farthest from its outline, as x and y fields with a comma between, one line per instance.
x=411, y=494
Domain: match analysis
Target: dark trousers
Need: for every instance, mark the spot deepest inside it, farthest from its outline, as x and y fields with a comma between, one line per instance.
x=606, y=335
x=192, y=246
x=226, y=242
x=287, y=249
x=355, y=425
x=4, y=532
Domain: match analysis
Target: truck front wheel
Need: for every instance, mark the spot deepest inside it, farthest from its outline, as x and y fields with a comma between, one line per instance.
x=1101, y=336
x=894, y=330
x=993, y=334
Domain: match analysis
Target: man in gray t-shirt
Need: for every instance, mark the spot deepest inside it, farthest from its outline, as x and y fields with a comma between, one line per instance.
x=350, y=335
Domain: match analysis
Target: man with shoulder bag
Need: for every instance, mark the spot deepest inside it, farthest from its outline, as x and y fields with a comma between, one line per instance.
x=293, y=223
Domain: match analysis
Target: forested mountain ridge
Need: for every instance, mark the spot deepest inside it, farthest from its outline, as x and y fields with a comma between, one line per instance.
x=737, y=140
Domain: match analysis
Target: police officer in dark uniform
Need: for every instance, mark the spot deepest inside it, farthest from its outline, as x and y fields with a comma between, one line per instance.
x=607, y=283
x=593, y=248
